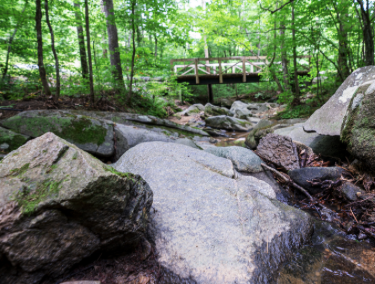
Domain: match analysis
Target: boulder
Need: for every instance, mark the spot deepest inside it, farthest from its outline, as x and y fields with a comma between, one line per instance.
x=10, y=140
x=302, y=176
x=59, y=205
x=329, y=146
x=225, y=102
x=193, y=109
x=329, y=118
x=89, y=134
x=244, y=160
x=229, y=123
x=358, y=130
x=267, y=176
x=211, y=110
x=209, y=227
x=129, y=136
x=258, y=132
x=280, y=150
x=240, y=110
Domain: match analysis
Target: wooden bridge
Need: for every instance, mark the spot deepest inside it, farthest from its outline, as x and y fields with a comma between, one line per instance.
x=237, y=69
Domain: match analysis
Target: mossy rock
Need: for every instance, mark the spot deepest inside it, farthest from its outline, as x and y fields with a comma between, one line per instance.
x=211, y=110
x=89, y=134
x=57, y=198
x=261, y=130
x=10, y=140
x=358, y=129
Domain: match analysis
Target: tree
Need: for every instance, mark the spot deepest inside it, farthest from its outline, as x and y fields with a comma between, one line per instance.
x=42, y=70
x=91, y=77
x=57, y=67
x=81, y=40
x=113, y=43
x=133, y=3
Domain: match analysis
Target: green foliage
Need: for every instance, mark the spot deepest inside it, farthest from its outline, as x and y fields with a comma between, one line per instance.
x=299, y=111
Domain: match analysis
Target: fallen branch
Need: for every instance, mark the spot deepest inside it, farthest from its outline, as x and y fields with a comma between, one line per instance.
x=287, y=180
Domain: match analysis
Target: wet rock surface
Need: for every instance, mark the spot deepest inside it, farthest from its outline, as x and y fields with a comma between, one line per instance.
x=279, y=150
x=304, y=175
x=59, y=205
x=208, y=226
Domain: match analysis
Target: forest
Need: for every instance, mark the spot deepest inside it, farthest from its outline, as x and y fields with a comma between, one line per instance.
x=118, y=52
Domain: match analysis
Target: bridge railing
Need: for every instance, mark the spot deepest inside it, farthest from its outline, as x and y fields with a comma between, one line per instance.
x=206, y=66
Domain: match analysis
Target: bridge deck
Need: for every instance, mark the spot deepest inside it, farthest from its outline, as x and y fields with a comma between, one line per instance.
x=238, y=69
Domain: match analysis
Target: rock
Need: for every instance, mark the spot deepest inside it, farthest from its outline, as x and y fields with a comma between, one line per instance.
x=211, y=110
x=350, y=191
x=329, y=118
x=59, y=205
x=362, y=236
x=217, y=132
x=358, y=130
x=209, y=227
x=2, y=156
x=10, y=140
x=258, y=132
x=302, y=176
x=229, y=123
x=240, y=110
x=329, y=146
x=129, y=136
x=244, y=160
x=89, y=134
x=279, y=150
x=225, y=102
x=193, y=109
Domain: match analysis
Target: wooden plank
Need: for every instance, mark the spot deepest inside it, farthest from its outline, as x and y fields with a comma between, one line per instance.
x=244, y=70
x=196, y=72
x=191, y=69
x=220, y=73
x=221, y=58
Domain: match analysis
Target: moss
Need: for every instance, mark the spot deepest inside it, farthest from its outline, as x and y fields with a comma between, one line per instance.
x=75, y=156
x=19, y=171
x=120, y=174
x=79, y=130
x=14, y=140
x=28, y=199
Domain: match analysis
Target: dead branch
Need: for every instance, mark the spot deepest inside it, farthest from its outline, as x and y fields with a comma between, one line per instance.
x=278, y=9
x=287, y=180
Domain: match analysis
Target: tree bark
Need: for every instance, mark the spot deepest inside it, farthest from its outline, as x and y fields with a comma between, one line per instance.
x=114, y=53
x=133, y=55
x=11, y=38
x=91, y=77
x=296, y=100
x=42, y=70
x=368, y=34
x=57, y=67
x=284, y=60
x=81, y=42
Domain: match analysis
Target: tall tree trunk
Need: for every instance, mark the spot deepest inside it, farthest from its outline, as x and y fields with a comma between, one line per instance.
x=57, y=67
x=210, y=95
x=11, y=38
x=81, y=41
x=156, y=46
x=296, y=83
x=42, y=70
x=368, y=33
x=91, y=77
x=113, y=43
x=284, y=59
x=133, y=55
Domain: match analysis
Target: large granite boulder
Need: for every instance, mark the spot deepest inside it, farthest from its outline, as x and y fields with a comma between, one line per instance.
x=229, y=123
x=59, y=205
x=329, y=118
x=10, y=140
x=211, y=110
x=89, y=134
x=260, y=130
x=244, y=160
x=358, y=130
x=128, y=136
x=209, y=227
x=225, y=102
